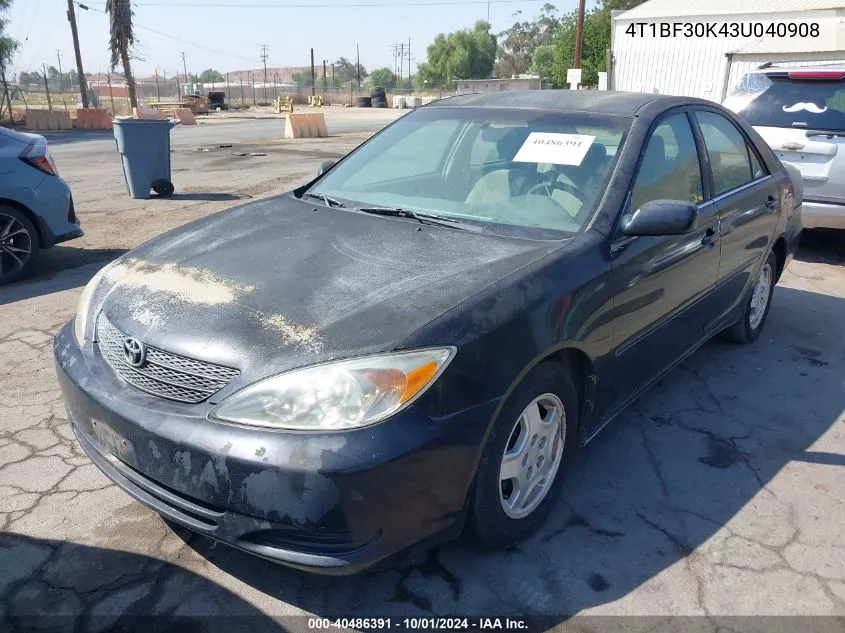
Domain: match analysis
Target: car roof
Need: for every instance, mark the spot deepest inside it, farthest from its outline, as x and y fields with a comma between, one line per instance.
x=607, y=102
x=776, y=68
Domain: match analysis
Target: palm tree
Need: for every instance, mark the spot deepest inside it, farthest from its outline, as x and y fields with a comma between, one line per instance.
x=121, y=40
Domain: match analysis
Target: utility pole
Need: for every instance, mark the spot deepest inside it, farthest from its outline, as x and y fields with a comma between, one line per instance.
x=264, y=59
x=83, y=84
x=410, y=86
x=185, y=68
x=47, y=88
x=324, y=80
x=358, y=66
x=158, y=94
x=313, y=76
x=579, y=34
x=59, y=55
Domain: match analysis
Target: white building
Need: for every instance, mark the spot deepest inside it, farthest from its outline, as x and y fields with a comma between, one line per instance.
x=701, y=48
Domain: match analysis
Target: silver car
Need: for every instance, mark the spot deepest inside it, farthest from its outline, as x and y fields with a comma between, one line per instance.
x=800, y=113
x=36, y=205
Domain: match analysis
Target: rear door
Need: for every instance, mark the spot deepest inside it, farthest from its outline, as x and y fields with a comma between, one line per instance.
x=748, y=201
x=801, y=115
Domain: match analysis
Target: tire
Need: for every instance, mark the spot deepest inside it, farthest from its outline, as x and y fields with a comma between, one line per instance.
x=379, y=103
x=489, y=521
x=164, y=188
x=364, y=102
x=749, y=326
x=19, y=244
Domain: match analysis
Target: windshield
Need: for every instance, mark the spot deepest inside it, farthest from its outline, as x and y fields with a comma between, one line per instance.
x=505, y=169
x=795, y=103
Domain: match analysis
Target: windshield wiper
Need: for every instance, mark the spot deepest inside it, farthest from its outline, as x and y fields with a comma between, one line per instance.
x=329, y=201
x=422, y=218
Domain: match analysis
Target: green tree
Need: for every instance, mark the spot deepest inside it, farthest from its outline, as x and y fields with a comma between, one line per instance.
x=597, y=25
x=543, y=60
x=8, y=45
x=345, y=70
x=518, y=43
x=301, y=77
x=122, y=41
x=211, y=76
x=383, y=77
x=466, y=54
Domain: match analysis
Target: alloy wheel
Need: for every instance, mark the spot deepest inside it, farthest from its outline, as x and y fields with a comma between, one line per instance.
x=532, y=456
x=760, y=297
x=16, y=244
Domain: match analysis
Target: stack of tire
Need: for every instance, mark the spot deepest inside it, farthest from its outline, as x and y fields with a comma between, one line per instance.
x=364, y=102
x=378, y=98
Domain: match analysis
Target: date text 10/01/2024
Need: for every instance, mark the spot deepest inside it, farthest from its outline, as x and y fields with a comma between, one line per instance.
x=411, y=624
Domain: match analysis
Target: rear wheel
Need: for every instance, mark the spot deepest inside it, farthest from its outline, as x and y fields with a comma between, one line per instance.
x=521, y=471
x=164, y=188
x=18, y=244
x=749, y=326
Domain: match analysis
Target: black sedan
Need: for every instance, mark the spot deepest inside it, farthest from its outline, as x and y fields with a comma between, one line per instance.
x=420, y=338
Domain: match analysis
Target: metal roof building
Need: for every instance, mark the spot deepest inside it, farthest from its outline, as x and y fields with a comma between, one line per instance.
x=702, y=48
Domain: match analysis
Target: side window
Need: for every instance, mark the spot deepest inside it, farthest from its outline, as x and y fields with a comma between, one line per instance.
x=730, y=158
x=670, y=169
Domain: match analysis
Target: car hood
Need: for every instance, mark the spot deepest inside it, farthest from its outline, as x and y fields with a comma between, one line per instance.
x=277, y=284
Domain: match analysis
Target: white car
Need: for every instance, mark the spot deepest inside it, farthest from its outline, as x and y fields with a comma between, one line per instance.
x=800, y=113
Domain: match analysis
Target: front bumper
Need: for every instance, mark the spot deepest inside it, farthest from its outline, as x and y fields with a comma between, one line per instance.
x=334, y=503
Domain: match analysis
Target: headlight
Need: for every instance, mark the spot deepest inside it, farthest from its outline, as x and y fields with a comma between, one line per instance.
x=339, y=395
x=80, y=322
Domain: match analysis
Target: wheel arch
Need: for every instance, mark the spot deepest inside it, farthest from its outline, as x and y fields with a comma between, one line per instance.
x=779, y=249
x=30, y=215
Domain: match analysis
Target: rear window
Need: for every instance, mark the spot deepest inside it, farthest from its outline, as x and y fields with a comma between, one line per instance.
x=814, y=104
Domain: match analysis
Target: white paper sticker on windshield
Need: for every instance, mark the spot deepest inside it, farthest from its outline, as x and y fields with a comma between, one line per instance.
x=558, y=149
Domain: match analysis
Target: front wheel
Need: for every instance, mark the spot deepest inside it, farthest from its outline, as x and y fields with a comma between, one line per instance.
x=749, y=326
x=521, y=470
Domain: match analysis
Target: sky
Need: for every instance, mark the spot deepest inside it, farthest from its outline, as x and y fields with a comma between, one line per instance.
x=227, y=34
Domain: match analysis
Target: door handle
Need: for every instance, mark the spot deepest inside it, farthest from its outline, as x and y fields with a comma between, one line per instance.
x=711, y=236
x=772, y=203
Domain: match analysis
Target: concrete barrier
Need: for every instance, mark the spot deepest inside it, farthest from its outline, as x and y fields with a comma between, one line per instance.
x=185, y=115
x=305, y=125
x=143, y=112
x=93, y=119
x=47, y=120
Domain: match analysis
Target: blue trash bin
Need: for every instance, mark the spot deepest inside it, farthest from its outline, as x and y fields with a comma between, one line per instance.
x=144, y=146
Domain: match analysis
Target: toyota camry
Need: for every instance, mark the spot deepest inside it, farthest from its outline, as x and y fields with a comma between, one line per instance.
x=417, y=340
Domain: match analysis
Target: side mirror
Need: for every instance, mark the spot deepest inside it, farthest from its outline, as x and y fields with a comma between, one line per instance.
x=325, y=166
x=660, y=217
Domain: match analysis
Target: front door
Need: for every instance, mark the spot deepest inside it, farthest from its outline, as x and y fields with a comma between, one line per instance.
x=662, y=284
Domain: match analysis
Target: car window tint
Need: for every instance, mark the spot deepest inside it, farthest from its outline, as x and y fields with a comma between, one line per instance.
x=728, y=152
x=670, y=169
x=408, y=159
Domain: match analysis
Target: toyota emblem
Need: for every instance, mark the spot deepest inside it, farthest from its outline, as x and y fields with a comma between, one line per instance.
x=134, y=352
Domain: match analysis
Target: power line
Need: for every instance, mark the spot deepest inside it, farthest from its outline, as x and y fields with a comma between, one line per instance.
x=356, y=5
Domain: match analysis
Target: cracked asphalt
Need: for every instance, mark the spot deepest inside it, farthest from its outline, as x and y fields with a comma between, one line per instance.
x=718, y=493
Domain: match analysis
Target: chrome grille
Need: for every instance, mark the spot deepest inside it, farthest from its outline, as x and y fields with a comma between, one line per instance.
x=163, y=374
